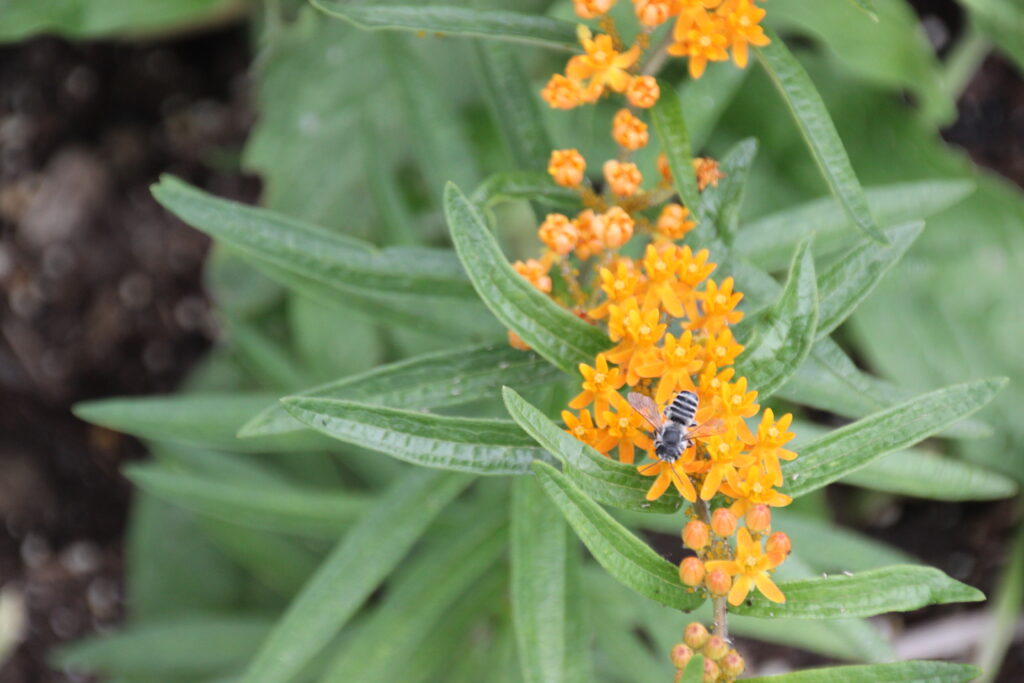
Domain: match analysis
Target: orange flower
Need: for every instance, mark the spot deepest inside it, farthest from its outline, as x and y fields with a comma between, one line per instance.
x=694, y=268
x=663, y=168
x=668, y=474
x=654, y=12
x=615, y=227
x=707, y=172
x=721, y=349
x=602, y=65
x=710, y=382
x=674, y=222
x=618, y=286
x=751, y=568
x=583, y=429
x=590, y=9
x=587, y=226
x=742, y=20
x=750, y=487
x=717, y=304
x=558, y=233
x=566, y=167
x=643, y=92
x=562, y=93
x=701, y=37
x=629, y=131
x=771, y=436
x=516, y=342
x=626, y=428
x=637, y=332
x=623, y=177
x=725, y=455
x=535, y=272
x=673, y=364
x=601, y=386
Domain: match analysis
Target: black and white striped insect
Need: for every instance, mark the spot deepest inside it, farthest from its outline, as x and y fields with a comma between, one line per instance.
x=676, y=430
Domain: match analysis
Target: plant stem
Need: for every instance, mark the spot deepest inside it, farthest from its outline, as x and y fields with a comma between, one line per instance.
x=720, y=624
x=658, y=56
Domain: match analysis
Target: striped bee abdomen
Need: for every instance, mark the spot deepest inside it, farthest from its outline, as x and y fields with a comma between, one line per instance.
x=683, y=408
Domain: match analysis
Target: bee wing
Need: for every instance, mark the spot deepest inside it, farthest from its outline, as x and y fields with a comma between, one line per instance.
x=644, y=405
x=706, y=429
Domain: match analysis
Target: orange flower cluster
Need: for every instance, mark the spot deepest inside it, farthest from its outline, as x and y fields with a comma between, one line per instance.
x=704, y=31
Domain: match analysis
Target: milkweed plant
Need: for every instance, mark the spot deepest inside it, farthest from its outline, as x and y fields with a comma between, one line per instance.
x=423, y=519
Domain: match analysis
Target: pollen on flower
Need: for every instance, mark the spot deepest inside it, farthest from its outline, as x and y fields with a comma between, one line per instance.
x=643, y=92
x=566, y=167
x=558, y=233
x=629, y=131
x=623, y=177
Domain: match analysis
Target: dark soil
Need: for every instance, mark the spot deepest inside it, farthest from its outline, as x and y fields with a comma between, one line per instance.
x=102, y=297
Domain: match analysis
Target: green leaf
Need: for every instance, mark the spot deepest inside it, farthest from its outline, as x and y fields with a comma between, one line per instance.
x=422, y=597
x=868, y=6
x=782, y=337
x=1005, y=611
x=186, y=646
x=433, y=380
x=721, y=203
x=849, y=448
x=553, y=332
x=899, y=588
x=353, y=570
x=514, y=104
x=263, y=357
x=525, y=185
x=855, y=273
x=600, y=477
x=896, y=672
x=393, y=213
x=461, y=444
x=769, y=240
x=281, y=508
x=670, y=127
x=929, y=475
x=819, y=132
x=210, y=420
x=545, y=564
x=705, y=99
x=313, y=252
x=623, y=555
x=459, y=21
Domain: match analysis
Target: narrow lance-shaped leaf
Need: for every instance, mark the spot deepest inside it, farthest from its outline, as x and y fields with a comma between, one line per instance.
x=353, y=570
x=722, y=203
x=313, y=252
x=623, y=555
x=849, y=448
x=525, y=185
x=929, y=475
x=896, y=672
x=899, y=588
x=603, y=479
x=812, y=117
x=554, y=333
x=393, y=213
x=476, y=23
x=432, y=380
x=784, y=334
x=670, y=127
x=460, y=444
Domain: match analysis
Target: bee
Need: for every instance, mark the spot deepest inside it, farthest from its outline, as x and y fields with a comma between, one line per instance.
x=677, y=429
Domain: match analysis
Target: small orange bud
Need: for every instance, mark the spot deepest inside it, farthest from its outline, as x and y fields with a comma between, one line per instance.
x=695, y=635
x=623, y=177
x=696, y=535
x=723, y=522
x=654, y=12
x=674, y=222
x=615, y=227
x=777, y=547
x=732, y=664
x=759, y=518
x=691, y=571
x=643, y=92
x=663, y=168
x=566, y=166
x=680, y=655
x=516, y=342
x=718, y=582
x=590, y=9
x=707, y=172
x=711, y=671
x=628, y=130
x=558, y=233
x=715, y=648
x=562, y=92
x=589, y=243
x=535, y=272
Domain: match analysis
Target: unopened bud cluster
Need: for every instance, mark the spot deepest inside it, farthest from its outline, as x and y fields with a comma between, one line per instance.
x=722, y=664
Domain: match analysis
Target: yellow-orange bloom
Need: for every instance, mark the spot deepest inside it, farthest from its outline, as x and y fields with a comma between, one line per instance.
x=625, y=427
x=643, y=92
x=742, y=20
x=751, y=568
x=770, y=438
x=589, y=243
x=725, y=455
x=701, y=37
x=566, y=167
x=721, y=349
x=624, y=283
x=628, y=130
x=590, y=9
x=673, y=364
x=668, y=474
x=718, y=307
x=663, y=287
x=535, y=272
x=602, y=65
x=637, y=332
x=601, y=386
x=623, y=177
x=708, y=172
x=694, y=268
x=736, y=402
x=562, y=93
x=583, y=429
x=615, y=227
x=750, y=487
x=674, y=222
x=558, y=233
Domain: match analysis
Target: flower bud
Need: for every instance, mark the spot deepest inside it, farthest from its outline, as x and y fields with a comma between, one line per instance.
x=777, y=547
x=653, y=12
x=615, y=227
x=696, y=535
x=680, y=655
x=715, y=648
x=535, y=272
x=629, y=131
x=695, y=635
x=566, y=167
x=643, y=92
x=674, y=222
x=711, y=671
x=691, y=571
x=558, y=233
x=723, y=522
x=718, y=582
x=759, y=518
x=591, y=9
x=562, y=92
x=732, y=664
x=663, y=168
x=707, y=172
x=516, y=342
x=623, y=177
